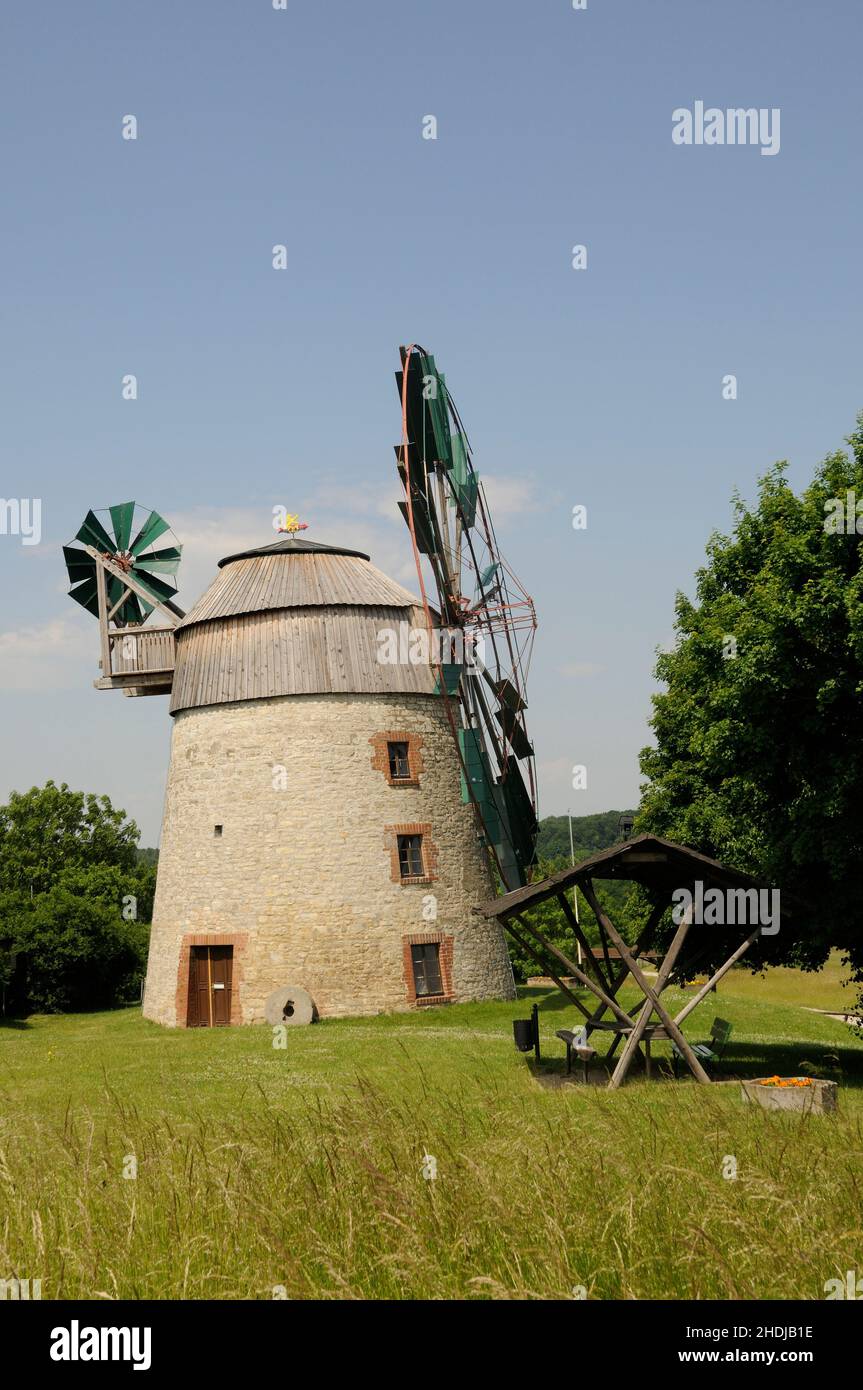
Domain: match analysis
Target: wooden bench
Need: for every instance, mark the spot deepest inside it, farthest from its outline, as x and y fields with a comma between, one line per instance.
x=711, y=1051
x=584, y=1052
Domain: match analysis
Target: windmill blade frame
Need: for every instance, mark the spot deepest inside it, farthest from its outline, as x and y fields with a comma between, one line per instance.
x=477, y=595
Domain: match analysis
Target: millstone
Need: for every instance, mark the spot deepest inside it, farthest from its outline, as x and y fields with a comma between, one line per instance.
x=289, y=1005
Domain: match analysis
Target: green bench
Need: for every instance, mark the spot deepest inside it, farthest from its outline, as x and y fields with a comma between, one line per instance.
x=711, y=1051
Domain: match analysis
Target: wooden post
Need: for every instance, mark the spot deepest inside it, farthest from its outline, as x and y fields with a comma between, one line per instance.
x=104, y=638
x=579, y=974
x=715, y=978
x=604, y=979
x=670, y=1026
x=526, y=946
x=646, y=1010
x=644, y=940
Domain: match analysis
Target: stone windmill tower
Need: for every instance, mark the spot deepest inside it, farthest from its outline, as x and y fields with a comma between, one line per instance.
x=314, y=834
x=336, y=805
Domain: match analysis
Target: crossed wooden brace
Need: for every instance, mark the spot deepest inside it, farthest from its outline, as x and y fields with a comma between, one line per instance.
x=607, y=985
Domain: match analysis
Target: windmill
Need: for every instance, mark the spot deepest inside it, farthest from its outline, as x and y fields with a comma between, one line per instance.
x=122, y=570
x=487, y=616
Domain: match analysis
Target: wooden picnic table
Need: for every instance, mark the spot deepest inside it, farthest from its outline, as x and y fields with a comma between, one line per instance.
x=652, y=1032
x=661, y=867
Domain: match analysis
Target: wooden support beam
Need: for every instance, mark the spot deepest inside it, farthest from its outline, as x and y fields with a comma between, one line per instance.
x=716, y=977
x=158, y=676
x=139, y=630
x=604, y=980
x=668, y=1022
x=572, y=969
x=645, y=1012
x=104, y=639
x=129, y=580
x=661, y=980
x=644, y=940
x=564, y=989
x=120, y=601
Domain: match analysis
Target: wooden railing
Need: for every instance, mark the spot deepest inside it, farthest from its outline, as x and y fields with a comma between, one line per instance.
x=141, y=649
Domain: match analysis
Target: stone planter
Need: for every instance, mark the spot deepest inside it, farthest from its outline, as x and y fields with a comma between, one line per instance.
x=815, y=1099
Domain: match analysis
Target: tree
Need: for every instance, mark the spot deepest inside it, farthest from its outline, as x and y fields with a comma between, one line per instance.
x=758, y=758
x=589, y=834
x=80, y=953
x=74, y=899
x=48, y=830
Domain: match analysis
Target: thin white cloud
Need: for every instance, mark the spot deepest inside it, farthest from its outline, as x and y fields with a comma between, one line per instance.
x=55, y=656
x=336, y=517
x=509, y=498
x=207, y=535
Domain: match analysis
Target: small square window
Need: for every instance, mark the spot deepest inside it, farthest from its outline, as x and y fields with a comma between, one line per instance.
x=425, y=961
x=411, y=856
x=399, y=762
x=217, y=831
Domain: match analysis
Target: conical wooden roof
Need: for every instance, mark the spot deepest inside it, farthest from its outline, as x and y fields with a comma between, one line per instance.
x=297, y=618
x=296, y=574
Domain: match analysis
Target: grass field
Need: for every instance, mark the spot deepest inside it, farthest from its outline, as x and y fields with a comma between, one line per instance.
x=300, y=1171
x=827, y=988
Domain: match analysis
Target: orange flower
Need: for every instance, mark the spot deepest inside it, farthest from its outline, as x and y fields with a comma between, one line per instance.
x=786, y=1081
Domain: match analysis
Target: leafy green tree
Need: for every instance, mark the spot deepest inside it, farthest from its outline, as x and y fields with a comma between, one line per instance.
x=80, y=953
x=74, y=898
x=49, y=830
x=589, y=834
x=758, y=758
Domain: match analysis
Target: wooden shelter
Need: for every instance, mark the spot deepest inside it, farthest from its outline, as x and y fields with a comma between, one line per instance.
x=661, y=867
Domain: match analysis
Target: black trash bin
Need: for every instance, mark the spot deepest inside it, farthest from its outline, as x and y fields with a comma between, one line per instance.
x=525, y=1032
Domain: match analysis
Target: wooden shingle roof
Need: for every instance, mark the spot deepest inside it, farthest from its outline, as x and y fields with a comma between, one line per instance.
x=655, y=863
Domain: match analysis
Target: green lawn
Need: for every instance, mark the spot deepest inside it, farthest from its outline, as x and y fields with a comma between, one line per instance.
x=820, y=989
x=302, y=1169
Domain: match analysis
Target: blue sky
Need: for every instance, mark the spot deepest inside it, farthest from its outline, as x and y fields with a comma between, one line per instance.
x=257, y=387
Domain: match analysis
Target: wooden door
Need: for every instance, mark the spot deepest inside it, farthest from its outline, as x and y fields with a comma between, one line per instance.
x=210, y=982
x=221, y=972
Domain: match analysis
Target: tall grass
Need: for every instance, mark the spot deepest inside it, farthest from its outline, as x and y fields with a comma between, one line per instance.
x=260, y=1176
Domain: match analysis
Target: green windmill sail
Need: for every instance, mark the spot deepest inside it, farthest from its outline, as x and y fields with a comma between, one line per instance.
x=127, y=536
x=481, y=607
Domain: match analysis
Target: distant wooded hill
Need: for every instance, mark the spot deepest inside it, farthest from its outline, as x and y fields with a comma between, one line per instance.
x=589, y=833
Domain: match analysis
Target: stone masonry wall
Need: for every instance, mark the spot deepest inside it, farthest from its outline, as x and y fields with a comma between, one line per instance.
x=300, y=879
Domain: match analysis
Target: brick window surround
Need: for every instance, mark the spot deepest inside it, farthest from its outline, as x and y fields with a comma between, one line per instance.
x=429, y=851
x=212, y=939
x=445, y=957
x=381, y=760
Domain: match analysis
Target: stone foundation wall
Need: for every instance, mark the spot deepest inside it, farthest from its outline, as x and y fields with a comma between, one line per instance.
x=301, y=873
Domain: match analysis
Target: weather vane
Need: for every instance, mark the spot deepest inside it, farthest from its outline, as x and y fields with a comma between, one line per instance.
x=292, y=524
